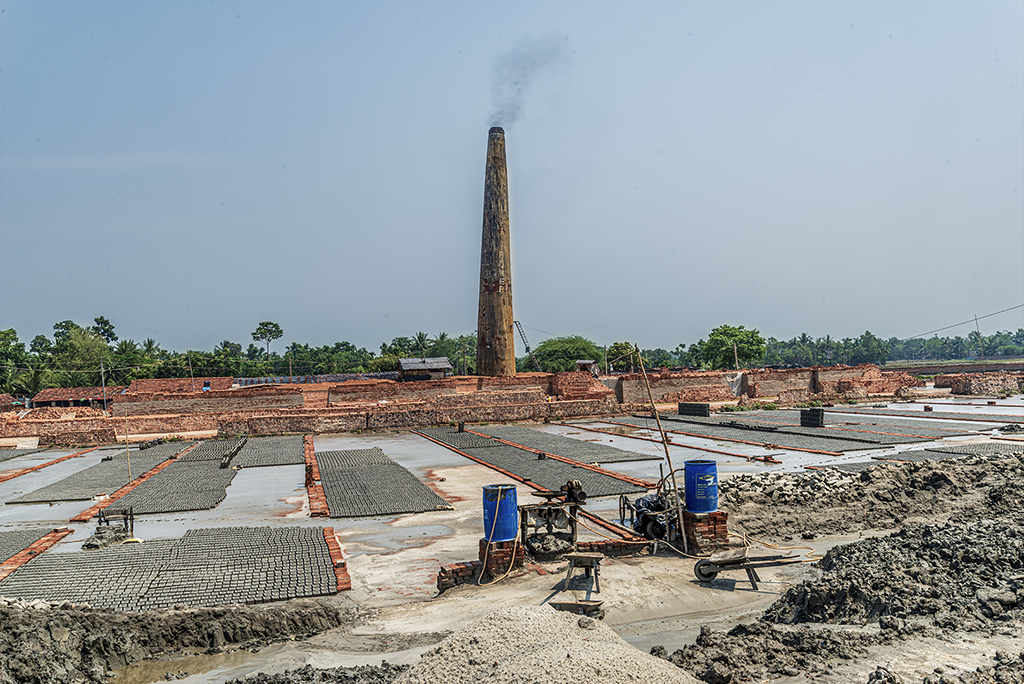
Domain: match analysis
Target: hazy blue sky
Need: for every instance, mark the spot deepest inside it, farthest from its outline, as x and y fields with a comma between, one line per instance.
x=188, y=169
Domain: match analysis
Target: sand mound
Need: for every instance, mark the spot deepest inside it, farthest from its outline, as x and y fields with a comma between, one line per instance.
x=538, y=645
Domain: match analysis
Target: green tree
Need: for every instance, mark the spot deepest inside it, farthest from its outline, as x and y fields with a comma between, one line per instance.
x=151, y=349
x=104, y=329
x=559, y=354
x=718, y=351
x=621, y=356
x=381, y=364
x=267, y=331
x=870, y=349
x=228, y=348
x=421, y=343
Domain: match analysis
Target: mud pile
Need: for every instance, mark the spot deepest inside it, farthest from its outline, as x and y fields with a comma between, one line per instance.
x=758, y=652
x=1007, y=670
x=59, y=643
x=880, y=497
x=538, y=645
x=959, y=577
x=385, y=673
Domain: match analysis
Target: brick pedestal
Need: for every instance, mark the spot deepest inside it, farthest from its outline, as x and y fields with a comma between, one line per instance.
x=706, y=532
x=499, y=556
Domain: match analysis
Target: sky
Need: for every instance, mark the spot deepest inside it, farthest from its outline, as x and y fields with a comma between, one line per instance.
x=188, y=169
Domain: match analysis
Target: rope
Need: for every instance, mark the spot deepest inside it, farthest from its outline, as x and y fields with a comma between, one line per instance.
x=487, y=549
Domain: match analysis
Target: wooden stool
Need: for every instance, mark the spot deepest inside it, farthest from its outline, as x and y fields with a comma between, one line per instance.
x=587, y=561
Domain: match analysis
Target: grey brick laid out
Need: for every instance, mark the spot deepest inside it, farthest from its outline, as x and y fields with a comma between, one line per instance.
x=15, y=540
x=366, y=482
x=271, y=451
x=206, y=567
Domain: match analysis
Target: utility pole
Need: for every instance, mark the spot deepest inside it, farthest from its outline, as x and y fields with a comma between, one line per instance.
x=668, y=457
x=103, y=383
x=735, y=355
x=981, y=345
x=191, y=375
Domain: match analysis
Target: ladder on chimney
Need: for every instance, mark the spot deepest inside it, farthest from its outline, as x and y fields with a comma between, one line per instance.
x=519, y=326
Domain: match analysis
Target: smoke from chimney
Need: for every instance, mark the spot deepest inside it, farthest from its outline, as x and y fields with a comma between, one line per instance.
x=518, y=69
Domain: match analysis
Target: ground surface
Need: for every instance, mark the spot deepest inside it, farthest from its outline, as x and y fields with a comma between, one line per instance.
x=922, y=571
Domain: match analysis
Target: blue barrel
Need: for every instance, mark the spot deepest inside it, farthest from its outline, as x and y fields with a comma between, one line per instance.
x=701, y=486
x=501, y=513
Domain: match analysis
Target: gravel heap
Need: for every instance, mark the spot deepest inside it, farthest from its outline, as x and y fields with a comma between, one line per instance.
x=758, y=652
x=960, y=577
x=879, y=497
x=538, y=645
x=385, y=673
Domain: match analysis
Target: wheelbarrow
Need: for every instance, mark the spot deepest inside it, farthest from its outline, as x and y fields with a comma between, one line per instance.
x=707, y=569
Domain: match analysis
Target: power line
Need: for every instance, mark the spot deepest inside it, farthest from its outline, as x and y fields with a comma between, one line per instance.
x=957, y=325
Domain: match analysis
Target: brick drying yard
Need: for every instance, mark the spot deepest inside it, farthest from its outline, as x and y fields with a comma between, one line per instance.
x=369, y=524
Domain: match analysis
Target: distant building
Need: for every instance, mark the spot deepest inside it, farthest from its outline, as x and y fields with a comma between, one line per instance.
x=589, y=365
x=424, y=369
x=179, y=385
x=75, y=396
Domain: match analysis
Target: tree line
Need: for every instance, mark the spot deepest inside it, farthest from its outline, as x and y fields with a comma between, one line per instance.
x=84, y=356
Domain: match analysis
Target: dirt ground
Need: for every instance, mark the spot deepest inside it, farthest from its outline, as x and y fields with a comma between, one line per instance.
x=919, y=578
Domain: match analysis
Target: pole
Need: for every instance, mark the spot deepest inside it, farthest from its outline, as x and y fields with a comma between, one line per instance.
x=668, y=457
x=103, y=383
x=127, y=454
x=735, y=355
x=981, y=345
x=191, y=375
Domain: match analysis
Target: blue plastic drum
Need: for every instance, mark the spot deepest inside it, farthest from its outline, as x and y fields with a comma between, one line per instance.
x=501, y=513
x=701, y=486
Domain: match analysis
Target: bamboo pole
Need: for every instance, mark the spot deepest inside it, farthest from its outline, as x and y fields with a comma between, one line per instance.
x=668, y=456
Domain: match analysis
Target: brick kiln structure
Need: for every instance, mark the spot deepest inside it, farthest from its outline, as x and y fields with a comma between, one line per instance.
x=981, y=384
x=382, y=404
x=495, y=350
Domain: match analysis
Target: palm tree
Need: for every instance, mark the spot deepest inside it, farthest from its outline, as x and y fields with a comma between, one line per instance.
x=33, y=381
x=421, y=342
x=127, y=347
x=150, y=348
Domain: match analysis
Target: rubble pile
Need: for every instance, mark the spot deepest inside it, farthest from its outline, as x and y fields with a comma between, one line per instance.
x=1008, y=669
x=385, y=673
x=881, y=497
x=958, y=577
x=758, y=652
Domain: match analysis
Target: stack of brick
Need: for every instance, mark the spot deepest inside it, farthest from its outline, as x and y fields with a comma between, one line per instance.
x=985, y=384
x=454, y=574
x=315, y=490
x=706, y=532
x=341, y=575
x=579, y=386
x=497, y=556
x=852, y=388
x=33, y=550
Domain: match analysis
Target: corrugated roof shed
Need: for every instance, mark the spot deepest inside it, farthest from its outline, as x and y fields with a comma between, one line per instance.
x=439, y=363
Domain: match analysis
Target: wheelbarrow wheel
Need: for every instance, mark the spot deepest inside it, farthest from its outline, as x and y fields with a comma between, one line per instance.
x=704, y=572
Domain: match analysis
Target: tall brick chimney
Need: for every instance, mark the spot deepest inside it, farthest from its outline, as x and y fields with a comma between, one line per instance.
x=495, y=349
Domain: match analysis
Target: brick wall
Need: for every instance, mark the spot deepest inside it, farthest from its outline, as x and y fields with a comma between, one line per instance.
x=206, y=402
x=136, y=425
x=771, y=383
x=579, y=385
x=985, y=384
x=630, y=388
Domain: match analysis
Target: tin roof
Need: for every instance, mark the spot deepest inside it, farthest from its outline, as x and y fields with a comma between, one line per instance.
x=439, y=363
